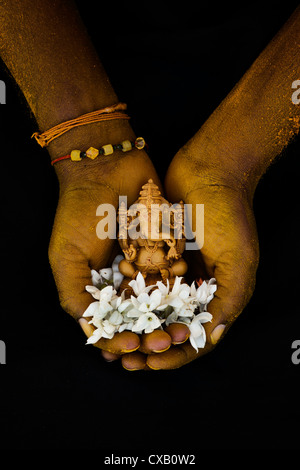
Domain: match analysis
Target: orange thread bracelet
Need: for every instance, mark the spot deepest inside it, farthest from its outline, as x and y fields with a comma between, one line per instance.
x=105, y=114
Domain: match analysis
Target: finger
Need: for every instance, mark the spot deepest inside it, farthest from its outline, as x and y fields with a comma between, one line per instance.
x=157, y=341
x=110, y=357
x=178, y=332
x=235, y=286
x=72, y=274
x=121, y=343
x=176, y=356
x=134, y=361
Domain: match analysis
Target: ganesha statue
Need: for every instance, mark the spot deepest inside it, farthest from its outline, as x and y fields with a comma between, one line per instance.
x=151, y=236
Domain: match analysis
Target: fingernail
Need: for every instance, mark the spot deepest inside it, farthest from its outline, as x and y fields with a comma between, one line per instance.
x=110, y=357
x=125, y=351
x=161, y=350
x=86, y=327
x=217, y=333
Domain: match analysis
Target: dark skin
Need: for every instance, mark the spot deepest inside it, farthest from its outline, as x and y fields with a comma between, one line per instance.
x=219, y=167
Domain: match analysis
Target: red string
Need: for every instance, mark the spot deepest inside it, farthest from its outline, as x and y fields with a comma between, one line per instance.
x=60, y=158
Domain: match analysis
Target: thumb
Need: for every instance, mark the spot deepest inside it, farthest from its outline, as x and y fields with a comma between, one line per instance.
x=71, y=274
x=235, y=286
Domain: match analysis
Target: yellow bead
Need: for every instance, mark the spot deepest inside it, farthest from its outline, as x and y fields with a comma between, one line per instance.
x=92, y=153
x=107, y=149
x=126, y=145
x=75, y=156
x=139, y=143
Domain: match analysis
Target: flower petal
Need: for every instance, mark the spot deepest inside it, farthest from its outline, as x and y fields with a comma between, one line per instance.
x=144, y=307
x=196, y=329
x=93, y=291
x=153, y=324
x=141, y=323
x=201, y=340
x=95, y=336
x=117, y=280
x=164, y=289
x=96, y=277
x=92, y=309
x=176, y=302
x=203, y=317
x=134, y=313
x=123, y=305
x=176, y=285
x=143, y=298
x=155, y=299
x=193, y=342
x=104, y=307
x=138, y=284
x=116, y=318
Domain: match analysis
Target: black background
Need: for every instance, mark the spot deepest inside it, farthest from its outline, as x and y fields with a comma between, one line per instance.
x=172, y=65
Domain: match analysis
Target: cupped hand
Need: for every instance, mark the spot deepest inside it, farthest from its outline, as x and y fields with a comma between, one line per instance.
x=75, y=247
x=229, y=253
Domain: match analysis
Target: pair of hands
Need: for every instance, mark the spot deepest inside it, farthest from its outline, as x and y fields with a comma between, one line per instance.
x=229, y=253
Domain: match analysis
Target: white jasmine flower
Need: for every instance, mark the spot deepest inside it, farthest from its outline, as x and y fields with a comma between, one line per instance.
x=145, y=303
x=94, y=291
x=96, y=278
x=111, y=313
x=197, y=331
x=101, y=277
x=104, y=330
x=138, y=285
x=147, y=322
x=127, y=323
x=108, y=275
x=115, y=319
x=99, y=310
x=186, y=310
x=117, y=277
x=205, y=292
x=92, y=309
x=164, y=289
x=119, y=303
x=101, y=294
x=177, y=297
x=175, y=318
x=179, y=288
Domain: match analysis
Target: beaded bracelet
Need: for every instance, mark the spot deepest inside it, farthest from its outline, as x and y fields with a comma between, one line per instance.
x=77, y=155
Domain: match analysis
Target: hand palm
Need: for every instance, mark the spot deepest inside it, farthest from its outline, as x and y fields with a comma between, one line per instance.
x=229, y=252
x=75, y=248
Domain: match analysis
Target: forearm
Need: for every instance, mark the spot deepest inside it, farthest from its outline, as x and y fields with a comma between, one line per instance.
x=258, y=118
x=49, y=53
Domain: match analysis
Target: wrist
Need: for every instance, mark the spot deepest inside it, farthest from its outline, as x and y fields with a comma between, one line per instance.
x=81, y=138
x=225, y=150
